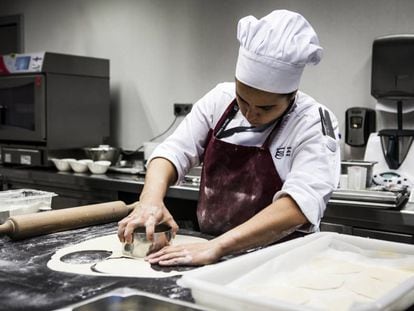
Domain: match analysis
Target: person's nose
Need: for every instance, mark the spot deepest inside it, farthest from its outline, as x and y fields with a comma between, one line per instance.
x=251, y=114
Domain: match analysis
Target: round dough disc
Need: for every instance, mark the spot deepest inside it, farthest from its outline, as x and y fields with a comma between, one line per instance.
x=115, y=265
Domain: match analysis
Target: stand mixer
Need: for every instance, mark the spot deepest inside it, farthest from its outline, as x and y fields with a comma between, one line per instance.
x=392, y=80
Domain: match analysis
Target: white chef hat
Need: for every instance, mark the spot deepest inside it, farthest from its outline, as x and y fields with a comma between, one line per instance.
x=274, y=51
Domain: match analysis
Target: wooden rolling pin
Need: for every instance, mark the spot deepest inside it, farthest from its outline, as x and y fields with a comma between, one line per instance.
x=29, y=225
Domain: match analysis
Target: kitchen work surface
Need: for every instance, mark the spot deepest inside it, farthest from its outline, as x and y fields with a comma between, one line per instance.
x=26, y=283
x=323, y=271
x=102, y=256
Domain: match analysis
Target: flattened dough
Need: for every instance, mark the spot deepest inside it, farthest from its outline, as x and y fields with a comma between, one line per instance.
x=114, y=265
x=335, y=266
x=286, y=293
x=395, y=276
x=318, y=281
x=368, y=287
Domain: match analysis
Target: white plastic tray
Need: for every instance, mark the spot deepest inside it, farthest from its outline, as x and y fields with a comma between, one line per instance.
x=221, y=285
x=23, y=201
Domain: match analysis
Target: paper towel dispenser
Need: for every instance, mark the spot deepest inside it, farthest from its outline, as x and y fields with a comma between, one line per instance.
x=392, y=75
x=360, y=122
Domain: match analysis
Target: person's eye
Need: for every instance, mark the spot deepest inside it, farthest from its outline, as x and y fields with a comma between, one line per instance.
x=242, y=102
x=266, y=108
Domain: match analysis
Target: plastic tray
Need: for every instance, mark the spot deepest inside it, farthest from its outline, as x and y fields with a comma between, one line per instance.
x=23, y=201
x=220, y=286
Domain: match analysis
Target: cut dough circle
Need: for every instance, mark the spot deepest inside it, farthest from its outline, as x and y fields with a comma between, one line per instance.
x=115, y=265
x=286, y=293
x=318, y=281
x=368, y=287
x=335, y=266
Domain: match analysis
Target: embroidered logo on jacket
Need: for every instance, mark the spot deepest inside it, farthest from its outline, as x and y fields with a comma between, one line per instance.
x=283, y=152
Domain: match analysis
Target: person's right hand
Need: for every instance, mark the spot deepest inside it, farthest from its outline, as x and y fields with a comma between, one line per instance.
x=145, y=214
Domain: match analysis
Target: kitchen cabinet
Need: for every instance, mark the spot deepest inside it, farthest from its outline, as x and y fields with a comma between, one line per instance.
x=385, y=224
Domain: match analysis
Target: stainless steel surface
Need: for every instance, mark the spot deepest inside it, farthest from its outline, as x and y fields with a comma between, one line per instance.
x=103, y=153
x=113, y=186
x=369, y=165
x=369, y=198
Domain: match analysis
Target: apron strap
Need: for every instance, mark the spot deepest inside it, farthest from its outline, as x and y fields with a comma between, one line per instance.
x=227, y=116
x=230, y=113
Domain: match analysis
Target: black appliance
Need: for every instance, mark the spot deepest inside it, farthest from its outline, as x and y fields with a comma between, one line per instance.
x=360, y=122
x=393, y=79
x=51, y=105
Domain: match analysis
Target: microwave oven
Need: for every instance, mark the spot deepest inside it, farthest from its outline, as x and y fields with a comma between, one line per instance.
x=51, y=105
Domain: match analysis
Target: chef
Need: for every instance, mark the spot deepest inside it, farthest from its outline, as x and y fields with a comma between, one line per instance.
x=270, y=152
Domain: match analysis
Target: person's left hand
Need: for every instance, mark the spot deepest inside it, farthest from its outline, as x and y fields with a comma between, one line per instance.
x=196, y=254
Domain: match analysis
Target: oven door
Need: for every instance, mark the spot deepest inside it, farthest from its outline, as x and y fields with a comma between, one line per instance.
x=22, y=108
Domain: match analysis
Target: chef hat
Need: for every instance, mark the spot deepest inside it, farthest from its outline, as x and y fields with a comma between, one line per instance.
x=274, y=51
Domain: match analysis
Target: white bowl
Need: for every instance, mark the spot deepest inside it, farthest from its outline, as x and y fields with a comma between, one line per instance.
x=99, y=167
x=80, y=166
x=63, y=164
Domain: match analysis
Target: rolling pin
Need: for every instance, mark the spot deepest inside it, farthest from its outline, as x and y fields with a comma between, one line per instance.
x=29, y=225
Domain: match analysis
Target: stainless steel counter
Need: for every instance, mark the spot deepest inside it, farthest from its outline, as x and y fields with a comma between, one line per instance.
x=390, y=224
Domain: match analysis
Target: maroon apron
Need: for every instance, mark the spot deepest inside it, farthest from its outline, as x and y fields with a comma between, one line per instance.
x=236, y=181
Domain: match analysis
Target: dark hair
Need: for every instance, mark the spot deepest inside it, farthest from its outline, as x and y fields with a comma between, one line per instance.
x=290, y=95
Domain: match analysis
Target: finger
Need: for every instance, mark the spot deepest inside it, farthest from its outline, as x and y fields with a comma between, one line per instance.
x=174, y=227
x=166, y=254
x=169, y=220
x=178, y=261
x=159, y=253
x=129, y=230
x=182, y=257
x=121, y=229
x=150, y=227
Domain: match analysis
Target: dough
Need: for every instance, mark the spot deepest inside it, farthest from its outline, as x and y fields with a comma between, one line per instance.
x=286, y=293
x=395, y=276
x=115, y=265
x=318, y=281
x=335, y=266
x=368, y=287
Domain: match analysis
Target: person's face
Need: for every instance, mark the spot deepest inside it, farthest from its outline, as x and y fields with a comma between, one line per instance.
x=260, y=107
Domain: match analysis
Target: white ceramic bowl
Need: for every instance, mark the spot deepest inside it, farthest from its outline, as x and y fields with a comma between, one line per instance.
x=63, y=164
x=99, y=167
x=80, y=166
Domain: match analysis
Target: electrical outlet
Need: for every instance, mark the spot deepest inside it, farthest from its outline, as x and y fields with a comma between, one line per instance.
x=182, y=109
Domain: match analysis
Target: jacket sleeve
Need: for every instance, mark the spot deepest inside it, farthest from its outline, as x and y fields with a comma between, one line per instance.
x=314, y=169
x=184, y=148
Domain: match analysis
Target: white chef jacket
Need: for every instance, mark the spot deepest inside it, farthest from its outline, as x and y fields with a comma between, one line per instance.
x=307, y=161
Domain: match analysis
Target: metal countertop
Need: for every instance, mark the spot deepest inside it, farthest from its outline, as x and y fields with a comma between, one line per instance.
x=400, y=221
